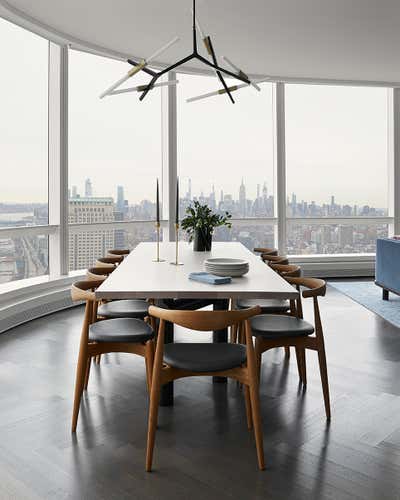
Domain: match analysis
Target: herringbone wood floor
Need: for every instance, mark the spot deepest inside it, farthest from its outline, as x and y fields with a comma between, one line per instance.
x=203, y=449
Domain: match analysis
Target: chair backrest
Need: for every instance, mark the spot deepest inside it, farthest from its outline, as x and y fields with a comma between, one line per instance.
x=286, y=270
x=99, y=273
x=109, y=261
x=118, y=253
x=266, y=251
x=204, y=320
x=275, y=259
x=315, y=286
x=84, y=290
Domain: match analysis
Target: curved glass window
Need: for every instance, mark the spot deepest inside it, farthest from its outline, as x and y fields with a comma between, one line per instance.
x=23, y=151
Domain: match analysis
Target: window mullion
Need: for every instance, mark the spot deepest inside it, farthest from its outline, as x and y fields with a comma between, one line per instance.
x=58, y=158
x=280, y=159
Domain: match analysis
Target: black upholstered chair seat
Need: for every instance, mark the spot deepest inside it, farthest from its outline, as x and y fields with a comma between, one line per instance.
x=120, y=330
x=124, y=309
x=267, y=305
x=273, y=326
x=190, y=304
x=204, y=357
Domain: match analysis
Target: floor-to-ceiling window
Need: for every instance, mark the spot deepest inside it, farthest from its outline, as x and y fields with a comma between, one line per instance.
x=226, y=156
x=336, y=168
x=336, y=144
x=114, y=159
x=23, y=152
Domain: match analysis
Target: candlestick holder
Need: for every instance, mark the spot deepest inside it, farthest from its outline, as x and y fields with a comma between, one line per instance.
x=158, y=244
x=176, y=263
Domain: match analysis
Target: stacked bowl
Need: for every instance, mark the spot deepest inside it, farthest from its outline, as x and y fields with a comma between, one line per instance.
x=226, y=267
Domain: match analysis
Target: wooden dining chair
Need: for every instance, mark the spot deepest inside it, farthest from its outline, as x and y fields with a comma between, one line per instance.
x=265, y=250
x=112, y=261
x=283, y=331
x=124, y=308
x=128, y=335
x=274, y=259
x=274, y=306
x=289, y=270
x=177, y=360
x=118, y=253
x=99, y=273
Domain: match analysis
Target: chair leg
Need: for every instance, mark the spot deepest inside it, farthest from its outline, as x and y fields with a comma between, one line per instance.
x=89, y=362
x=149, y=360
x=153, y=415
x=234, y=330
x=79, y=386
x=258, y=357
x=301, y=364
x=241, y=334
x=248, y=407
x=258, y=434
x=324, y=379
x=287, y=352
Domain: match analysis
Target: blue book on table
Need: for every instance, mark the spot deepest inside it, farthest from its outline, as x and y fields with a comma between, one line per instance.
x=211, y=279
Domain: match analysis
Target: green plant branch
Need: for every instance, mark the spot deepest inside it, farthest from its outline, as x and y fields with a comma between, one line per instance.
x=202, y=218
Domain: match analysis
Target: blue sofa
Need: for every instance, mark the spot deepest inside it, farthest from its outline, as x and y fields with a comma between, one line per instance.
x=387, y=266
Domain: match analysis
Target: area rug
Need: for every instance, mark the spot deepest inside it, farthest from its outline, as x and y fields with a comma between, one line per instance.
x=369, y=295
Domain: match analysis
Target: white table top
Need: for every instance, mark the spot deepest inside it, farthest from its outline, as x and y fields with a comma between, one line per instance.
x=138, y=276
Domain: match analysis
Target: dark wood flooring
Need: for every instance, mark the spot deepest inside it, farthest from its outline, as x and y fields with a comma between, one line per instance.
x=203, y=448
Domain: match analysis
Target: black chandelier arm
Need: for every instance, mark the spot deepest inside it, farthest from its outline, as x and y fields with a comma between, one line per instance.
x=162, y=72
x=175, y=65
x=223, y=70
x=149, y=86
x=219, y=75
x=145, y=69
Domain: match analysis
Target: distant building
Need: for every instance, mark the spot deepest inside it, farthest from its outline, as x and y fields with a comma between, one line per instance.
x=87, y=246
x=88, y=188
x=119, y=234
x=242, y=200
x=121, y=202
x=345, y=236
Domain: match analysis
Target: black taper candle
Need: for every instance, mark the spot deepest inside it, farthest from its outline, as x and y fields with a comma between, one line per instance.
x=157, y=204
x=177, y=202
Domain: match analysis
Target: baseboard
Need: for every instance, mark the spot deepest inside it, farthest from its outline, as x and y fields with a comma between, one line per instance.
x=31, y=302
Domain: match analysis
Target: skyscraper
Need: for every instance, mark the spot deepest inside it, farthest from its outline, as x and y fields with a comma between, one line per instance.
x=88, y=188
x=120, y=199
x=189, y=192
x=74, y=192
x=213, y=203
x=87, y=246
x=242, y=199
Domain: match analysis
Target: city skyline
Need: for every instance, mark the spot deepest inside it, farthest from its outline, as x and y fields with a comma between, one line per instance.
x=27, y=256
x=239, y=204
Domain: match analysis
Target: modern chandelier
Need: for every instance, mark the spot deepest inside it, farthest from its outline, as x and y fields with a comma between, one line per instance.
x=142, y=65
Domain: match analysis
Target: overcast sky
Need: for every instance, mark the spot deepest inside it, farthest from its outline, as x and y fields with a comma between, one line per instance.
x=336, y=136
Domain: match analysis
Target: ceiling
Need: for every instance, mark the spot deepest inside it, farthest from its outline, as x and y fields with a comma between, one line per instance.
x=327, y=39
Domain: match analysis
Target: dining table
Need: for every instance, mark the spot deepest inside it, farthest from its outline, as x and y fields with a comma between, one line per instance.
x=140, y=275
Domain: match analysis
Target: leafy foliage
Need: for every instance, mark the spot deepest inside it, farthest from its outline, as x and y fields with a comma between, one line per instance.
x=201, y=218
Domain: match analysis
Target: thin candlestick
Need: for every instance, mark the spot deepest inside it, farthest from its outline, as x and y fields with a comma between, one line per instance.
x=157, y=204
x=158, y=225
x=176, y=263
x=177, y=202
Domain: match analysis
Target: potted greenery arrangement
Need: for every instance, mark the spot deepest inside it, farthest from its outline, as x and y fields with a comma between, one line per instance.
x=200, y=223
